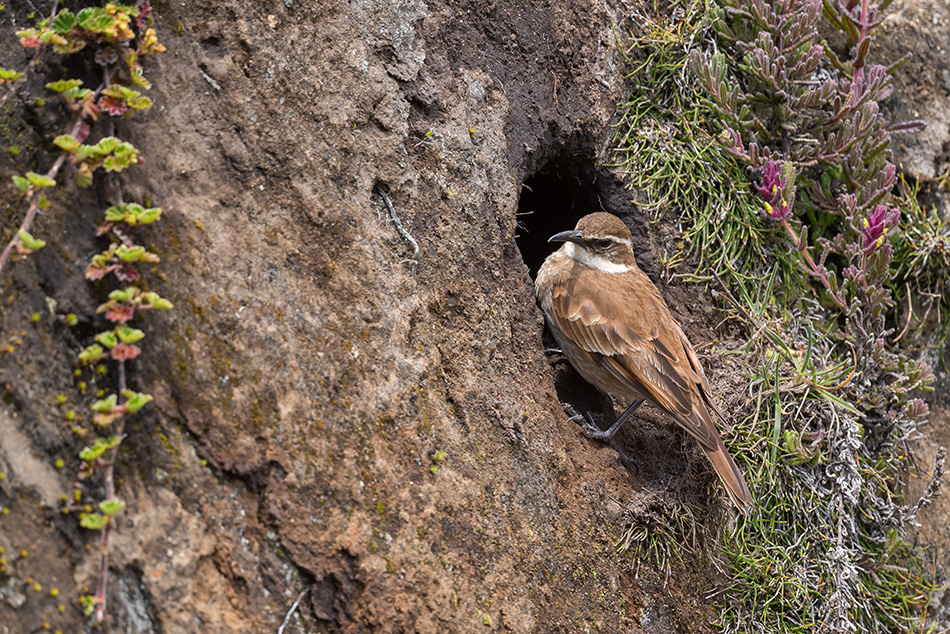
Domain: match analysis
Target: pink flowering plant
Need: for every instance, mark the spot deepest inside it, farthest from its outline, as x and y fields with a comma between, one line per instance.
x=820, y=148
x=804, y=121
x=121, y=36
x=777, y=157
x=820, y=138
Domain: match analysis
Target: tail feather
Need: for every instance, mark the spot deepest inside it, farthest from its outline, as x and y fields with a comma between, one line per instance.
x=731, y=477
x=701, y=427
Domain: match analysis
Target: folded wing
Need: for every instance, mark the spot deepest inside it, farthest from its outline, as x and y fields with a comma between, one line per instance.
x=642, y=347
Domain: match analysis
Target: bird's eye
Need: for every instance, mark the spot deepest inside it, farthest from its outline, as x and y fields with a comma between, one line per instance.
x=603, y=244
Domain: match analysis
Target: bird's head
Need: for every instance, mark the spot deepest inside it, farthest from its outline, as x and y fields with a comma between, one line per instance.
x=600, y=241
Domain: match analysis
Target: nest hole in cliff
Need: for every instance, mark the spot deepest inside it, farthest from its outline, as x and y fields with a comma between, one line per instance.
x=553, y=200
x=565, y=189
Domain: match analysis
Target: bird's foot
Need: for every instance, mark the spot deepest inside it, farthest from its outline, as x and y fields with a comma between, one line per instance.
x=590, y=428
x=553, y=351
x=571, y=412
x=586, y=421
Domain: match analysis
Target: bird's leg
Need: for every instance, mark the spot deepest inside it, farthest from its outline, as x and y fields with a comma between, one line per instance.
x=590, y=427
x=595, y=432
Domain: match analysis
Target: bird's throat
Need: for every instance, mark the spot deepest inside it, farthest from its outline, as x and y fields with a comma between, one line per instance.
x=593, y=261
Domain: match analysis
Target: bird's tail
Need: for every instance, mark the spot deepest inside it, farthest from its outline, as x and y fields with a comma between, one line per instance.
x=731, y=477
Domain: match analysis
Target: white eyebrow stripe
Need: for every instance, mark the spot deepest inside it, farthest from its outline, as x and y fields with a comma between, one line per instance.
x=582, y=256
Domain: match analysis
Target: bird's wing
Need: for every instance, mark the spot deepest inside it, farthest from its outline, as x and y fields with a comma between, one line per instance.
x=639, y=343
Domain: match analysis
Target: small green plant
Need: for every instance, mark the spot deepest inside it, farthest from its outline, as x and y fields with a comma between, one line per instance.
x=922, y=259
x=121, y=36
x=437, y=459
x=664, y=149
x=114, y=38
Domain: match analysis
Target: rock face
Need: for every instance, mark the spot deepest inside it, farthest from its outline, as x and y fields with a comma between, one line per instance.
x=920, y=30
x=337, y=414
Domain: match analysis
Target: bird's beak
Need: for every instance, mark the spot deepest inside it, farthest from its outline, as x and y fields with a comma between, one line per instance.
x=567, y=236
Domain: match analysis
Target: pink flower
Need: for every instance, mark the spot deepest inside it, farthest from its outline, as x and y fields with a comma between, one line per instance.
x=124, y=352
x=127, y=274
x=876, y=226
x=772, y=191
x=83, y=131
x=106, y=419
x=31, y=41
x=917, y=408
x=97, y=271
x=145, y=10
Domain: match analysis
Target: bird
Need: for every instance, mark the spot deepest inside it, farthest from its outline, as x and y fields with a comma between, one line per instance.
x=617, y=331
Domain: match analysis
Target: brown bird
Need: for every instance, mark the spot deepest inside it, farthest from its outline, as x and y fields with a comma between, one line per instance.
x=617, y=332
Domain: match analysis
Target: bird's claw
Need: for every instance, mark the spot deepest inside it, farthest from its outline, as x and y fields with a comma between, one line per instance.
x=586, y=421
x=571, y=412
x=595, y=432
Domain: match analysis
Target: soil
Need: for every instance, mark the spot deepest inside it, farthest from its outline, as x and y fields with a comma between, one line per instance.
x=315, y=370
